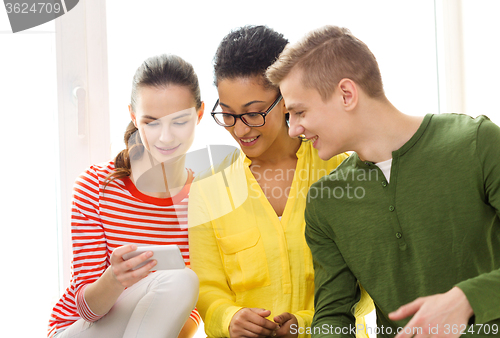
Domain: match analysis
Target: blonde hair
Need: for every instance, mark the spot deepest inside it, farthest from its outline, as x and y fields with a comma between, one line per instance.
x=326, y=56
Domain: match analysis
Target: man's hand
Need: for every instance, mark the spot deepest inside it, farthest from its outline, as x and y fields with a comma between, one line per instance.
x=451, y=308
x=252, y=323
x=285, y=320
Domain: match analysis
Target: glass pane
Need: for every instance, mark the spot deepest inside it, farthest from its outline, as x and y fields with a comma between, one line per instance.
x=29, y=174
x=481, y=55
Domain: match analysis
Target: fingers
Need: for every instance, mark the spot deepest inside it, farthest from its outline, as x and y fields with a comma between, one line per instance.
x=132, y=263
x=122, y=270
x=407, y=310
x=250, y=322
x=117, y=254
x=282, y=318
x=282, y=332
x=433, y=312
x=254, y=330
x=261, y=312
x=261, y=320
x=285, y=320
x=128, y=264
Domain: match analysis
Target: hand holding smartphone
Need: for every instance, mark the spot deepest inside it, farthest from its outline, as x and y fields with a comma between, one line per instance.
x=167, y=257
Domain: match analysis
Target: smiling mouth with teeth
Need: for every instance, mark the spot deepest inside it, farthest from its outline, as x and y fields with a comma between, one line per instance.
x=313, y=139
x=248, y=140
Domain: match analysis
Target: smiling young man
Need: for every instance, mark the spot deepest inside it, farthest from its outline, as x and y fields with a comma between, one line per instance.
x=426, y=228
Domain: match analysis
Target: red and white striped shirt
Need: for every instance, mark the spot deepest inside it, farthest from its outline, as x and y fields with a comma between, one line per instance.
x=104, y=219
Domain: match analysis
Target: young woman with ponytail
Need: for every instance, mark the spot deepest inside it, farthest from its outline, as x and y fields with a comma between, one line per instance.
x=120, y=205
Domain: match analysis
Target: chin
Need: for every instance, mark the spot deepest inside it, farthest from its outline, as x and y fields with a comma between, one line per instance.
x=165, y=158
x=252, y=153
x=325, y=156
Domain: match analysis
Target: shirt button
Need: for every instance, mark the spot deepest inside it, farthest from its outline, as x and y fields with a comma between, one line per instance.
x=391, y=208
x=399, y=235
x=384, y=184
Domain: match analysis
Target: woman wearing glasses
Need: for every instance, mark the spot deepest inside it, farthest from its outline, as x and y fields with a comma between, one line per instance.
x=247, y=225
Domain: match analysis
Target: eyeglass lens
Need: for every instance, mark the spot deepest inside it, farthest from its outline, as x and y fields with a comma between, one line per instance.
x=252, y=119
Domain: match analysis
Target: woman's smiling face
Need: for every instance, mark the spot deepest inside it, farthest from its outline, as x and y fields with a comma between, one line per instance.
x=166, y=118
x=243, y=95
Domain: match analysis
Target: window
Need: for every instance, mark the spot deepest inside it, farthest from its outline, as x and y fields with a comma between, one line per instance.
x=29, y=171
x=417, y=44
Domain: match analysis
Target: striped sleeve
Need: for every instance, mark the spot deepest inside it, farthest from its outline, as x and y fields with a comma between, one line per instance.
x=195, y=316
x=89, y=253
x=89, y=242
x=83, y=309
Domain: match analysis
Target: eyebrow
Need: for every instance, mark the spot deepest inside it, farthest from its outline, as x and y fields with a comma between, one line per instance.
x=245, y=105
x=148, y=117
x=294, y=107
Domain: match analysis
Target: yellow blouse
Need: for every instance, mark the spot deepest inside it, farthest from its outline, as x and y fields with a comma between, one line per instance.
x=243, y=254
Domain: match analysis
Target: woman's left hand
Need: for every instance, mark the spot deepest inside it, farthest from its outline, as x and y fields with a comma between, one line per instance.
x=284, y=320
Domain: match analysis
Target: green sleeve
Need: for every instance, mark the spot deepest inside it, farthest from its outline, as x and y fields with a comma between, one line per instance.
x=336, y=290
x=483, y=291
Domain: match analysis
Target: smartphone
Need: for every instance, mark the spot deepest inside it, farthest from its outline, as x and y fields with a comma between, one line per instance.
x=168, y=257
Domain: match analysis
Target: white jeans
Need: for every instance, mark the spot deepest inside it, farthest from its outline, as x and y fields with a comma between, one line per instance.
x=156, y=306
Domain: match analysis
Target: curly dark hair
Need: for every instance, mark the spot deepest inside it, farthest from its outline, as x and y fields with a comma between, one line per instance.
x=248, y=51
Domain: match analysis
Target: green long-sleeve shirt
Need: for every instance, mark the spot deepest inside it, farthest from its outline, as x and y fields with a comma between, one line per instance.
x=436, y=225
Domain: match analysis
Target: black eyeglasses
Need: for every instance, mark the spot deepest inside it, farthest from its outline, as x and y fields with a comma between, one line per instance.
x=251, y=119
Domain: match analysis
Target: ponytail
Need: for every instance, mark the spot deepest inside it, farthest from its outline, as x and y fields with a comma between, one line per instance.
x=134, y=149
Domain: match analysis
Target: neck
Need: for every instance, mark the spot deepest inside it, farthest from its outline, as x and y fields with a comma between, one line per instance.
x=284, y=147
x=164, y=180
x=382, y=130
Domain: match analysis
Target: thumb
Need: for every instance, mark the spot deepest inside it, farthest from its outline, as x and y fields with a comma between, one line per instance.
x=282, y=318
x=407, y=310
x=260, y=312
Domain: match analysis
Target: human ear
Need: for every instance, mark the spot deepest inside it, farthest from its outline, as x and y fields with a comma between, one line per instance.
x=201, y=112
x=283, y=106
x=132, y=115
x=349, y=92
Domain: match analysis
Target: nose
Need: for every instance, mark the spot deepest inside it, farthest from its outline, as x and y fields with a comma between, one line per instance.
x=295, y=129
x=166, y=135
x=240, y=129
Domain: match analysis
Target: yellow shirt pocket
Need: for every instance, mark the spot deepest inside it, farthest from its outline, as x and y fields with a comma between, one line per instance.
x=245, y=260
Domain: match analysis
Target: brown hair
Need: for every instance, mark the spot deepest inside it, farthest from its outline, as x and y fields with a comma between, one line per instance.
x=157, y=71
x=328, y=55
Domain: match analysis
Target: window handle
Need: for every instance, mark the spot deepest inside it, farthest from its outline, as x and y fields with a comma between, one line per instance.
x=81, y=102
